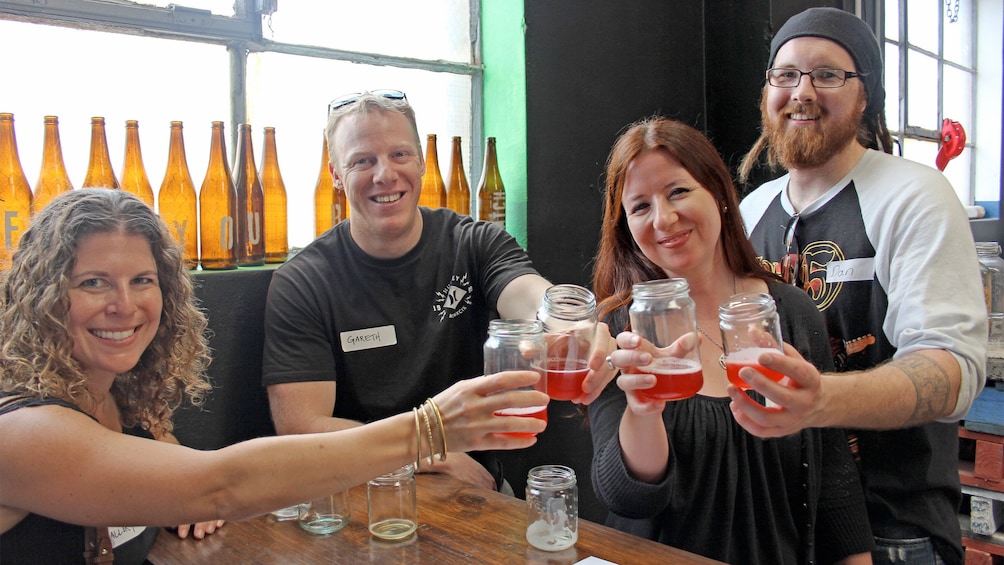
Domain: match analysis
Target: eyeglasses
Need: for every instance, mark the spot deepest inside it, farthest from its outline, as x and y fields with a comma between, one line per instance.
x=791, y=263
x=823, y=77
x=347, y=99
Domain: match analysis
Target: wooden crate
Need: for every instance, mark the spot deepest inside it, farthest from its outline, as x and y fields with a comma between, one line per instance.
x=986, y=468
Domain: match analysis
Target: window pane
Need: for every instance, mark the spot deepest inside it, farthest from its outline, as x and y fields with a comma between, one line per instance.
x=119, y=77
x=923, y=17
x=291, y=93
x=959, y=173
x=922, y=102
x=892, y=20
x=958, y=93
x=958, y=46
x=892, y=94
x=921, y=151
x=418, y=30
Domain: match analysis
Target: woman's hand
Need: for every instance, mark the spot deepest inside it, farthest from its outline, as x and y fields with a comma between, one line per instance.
x=600, y=373
x=199, y=530
x=470, y=409
x=636, y=352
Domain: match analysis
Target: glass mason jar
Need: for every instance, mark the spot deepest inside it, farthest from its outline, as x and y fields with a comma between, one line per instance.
x=392, y=504
x=552, y=507
x=738, y=316
x=992, y=272
x=662, y=312
x=325, y=514
x=568, y=313
x=518, y=345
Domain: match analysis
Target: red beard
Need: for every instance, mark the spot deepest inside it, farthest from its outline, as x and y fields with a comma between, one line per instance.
x=807, y=147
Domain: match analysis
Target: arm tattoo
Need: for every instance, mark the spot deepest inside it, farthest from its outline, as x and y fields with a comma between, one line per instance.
x=932, y=384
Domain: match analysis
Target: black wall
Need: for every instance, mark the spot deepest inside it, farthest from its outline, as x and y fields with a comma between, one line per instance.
x=592, y=68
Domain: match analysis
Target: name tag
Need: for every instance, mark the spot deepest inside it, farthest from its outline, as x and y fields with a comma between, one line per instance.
x=121, y=534
x=370, y=338
x=850, y=270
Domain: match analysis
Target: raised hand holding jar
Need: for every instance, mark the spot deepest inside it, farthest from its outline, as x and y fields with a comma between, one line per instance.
x=750, y=327
x=518, y=345
x=568, y=313
x=662, y=313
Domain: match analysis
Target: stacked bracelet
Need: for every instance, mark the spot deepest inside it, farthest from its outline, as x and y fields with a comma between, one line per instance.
x=429, y=411
x=418, y=440
x=442, y=428
x=428, y=430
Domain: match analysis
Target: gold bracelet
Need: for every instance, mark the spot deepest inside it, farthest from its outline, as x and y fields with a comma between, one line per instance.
x=428, y=428
x=442, y=427
x=418, y=439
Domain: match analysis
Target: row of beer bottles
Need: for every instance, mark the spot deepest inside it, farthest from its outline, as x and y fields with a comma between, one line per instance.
x=457, y=194
x=241, y=221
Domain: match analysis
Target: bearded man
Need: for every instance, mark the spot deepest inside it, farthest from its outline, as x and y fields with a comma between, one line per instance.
x=883, y=246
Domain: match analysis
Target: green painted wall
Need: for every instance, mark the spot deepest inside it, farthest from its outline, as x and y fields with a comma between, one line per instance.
x=502, y=51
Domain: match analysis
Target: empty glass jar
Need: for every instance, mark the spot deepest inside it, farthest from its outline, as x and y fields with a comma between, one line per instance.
x=552, y=507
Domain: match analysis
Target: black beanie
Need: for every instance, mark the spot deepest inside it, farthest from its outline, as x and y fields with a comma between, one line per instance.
x=852, y=34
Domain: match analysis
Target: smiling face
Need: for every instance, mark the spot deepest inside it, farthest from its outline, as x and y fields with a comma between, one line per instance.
x=380, y=169
x=675, y=221
x=806, y=125
x=115, y=303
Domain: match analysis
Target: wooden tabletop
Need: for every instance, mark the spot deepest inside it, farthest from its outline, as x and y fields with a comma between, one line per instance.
x=458, y=524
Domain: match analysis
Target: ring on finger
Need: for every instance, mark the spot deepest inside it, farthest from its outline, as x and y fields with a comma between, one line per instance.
x=610, y=363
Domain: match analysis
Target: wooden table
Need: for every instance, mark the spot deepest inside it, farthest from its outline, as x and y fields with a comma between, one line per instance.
x=458, y=524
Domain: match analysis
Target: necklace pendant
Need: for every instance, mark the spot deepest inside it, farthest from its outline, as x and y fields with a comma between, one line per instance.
x=721, y=361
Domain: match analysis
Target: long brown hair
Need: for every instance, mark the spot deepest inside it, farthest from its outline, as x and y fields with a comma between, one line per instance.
x=619, y=261
x=36, y=351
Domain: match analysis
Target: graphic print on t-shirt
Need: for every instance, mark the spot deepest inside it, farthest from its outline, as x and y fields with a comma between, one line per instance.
x=455, y=299
x=833, y=240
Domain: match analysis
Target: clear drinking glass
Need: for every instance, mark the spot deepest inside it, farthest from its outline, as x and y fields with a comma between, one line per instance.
x=662, y=312
x=739, y=317
x=568, y=313
x=392, y=504
x=518, y=345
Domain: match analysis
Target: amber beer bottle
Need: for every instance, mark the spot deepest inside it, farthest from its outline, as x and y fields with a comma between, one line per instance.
x=218, y=208
x=99, y=171
x=324, y=196
x=491, y=193
x=433, y=187
x=276, y=236
x=134, y=177
x=52, y=179
x=15, y=194
x=176, y=200
x=458, y=192
x=250, y=203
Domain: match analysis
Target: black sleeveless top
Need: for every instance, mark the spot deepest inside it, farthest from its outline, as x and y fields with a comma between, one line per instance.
x=38, y=539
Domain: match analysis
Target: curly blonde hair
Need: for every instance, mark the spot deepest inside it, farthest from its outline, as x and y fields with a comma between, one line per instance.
x=36, y=353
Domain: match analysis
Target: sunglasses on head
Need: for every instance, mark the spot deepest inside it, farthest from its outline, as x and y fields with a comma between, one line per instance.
x=347, y=99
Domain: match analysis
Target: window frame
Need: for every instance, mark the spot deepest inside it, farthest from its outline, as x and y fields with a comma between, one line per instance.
x=242, y=35
x=873, y=12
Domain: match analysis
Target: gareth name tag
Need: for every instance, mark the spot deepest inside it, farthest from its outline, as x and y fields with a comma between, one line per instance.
x=850, y=270
x=370, y=338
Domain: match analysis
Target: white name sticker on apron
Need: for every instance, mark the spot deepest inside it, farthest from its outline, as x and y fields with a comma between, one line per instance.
x=370, y=338
x=850, y=270
x=121, y=534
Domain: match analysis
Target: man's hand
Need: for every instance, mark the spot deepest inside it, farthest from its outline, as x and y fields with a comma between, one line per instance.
x=795, y=402
x=461, y=466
